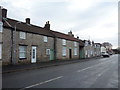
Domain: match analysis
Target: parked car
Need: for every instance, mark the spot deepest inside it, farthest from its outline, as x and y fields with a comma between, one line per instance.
x=105, y=54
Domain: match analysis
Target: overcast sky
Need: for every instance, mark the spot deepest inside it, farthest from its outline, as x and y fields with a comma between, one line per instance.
x=96, y=20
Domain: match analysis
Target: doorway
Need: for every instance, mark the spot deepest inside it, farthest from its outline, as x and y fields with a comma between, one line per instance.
x=33, y=57
x=70, y=53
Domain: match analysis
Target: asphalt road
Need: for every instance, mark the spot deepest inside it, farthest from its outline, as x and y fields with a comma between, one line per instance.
x=99, y=73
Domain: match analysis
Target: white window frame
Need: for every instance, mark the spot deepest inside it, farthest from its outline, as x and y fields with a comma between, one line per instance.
x=86, y=43
x=24, y=51
x=63, y=42
x=22, y=35
x=0, y=51
x=47, y=51
x=1, y=26
x=64, y=51
x=75, y=51
x=45, y=38
x=75, y=44
x=86, y=52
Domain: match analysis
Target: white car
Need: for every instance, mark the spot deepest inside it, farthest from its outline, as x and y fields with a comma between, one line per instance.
x=105, y=54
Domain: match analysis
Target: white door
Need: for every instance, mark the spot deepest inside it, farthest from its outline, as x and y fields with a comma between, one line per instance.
x=33, y=57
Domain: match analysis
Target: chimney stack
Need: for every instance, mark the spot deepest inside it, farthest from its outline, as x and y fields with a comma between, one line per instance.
x=47, y=25
x=77, y=37
x=27, y=20
x=4, y=13
x=70, y=34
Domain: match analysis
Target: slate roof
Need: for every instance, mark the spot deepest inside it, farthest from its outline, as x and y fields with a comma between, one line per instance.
x=23, y=26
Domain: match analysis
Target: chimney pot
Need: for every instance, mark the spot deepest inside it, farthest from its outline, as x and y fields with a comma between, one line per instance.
x=48, y=22
x=28, y=20
x=47, y=25
x=70, y=34
x=4, y=13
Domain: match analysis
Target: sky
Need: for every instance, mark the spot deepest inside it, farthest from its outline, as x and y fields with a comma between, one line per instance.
x=96, y=20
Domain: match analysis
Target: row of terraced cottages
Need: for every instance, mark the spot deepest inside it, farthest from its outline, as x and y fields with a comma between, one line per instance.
x=23, y=42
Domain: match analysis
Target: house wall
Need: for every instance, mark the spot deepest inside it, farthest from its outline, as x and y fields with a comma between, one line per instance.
x=97, y=50
x=88, y=51
x=69, y=45
x=6, y=46
x=31, y=40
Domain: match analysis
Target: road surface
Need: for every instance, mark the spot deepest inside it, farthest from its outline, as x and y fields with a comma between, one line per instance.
x=99, y=73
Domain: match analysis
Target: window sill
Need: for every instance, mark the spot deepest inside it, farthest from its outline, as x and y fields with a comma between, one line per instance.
x=63, y=56
x=22, y=58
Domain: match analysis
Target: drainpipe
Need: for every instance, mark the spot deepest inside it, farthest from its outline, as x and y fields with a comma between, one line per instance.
x=54, y=45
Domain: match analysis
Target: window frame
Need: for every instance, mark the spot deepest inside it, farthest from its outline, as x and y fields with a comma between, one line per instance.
x=64, y=51
x=86, y=43
x=75, y=51
x=1, y=26
x=75, y=44
x=47, y=51
x=45, y=38
x=23, y=52
x=22, y=35
x=64, y=41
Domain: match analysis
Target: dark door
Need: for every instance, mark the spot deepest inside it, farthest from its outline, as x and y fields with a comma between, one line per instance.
x=70, y=53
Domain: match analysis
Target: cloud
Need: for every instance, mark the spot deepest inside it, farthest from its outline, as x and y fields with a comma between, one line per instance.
x=87, y=18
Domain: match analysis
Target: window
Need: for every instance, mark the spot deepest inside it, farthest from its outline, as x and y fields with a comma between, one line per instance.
x=0, y=51
x=22, y=35
x=75, y=43
x=86, y=52
x=86, y=43
x=75, y=51
x=1, y=26
x=91, y=53
x=47, y=51
x=63, y=42
x=45, y=38
x=22, y=51
x=64, y=51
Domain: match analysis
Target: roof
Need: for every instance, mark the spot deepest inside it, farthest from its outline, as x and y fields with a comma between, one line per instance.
x=98, y=43
x=39, y=30
x=27, y=28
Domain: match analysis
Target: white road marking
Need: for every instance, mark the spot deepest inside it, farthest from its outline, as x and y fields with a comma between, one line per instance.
x=41, y=83
x=100, y=74
x=92, y=66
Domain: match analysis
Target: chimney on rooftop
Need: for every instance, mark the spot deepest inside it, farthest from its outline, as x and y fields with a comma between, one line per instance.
x=27, y=20
x=4, y=13
x=70, y=34
x=47, y=25
x=77, y=37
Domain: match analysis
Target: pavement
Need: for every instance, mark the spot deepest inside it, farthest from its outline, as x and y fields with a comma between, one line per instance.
x=23, y=67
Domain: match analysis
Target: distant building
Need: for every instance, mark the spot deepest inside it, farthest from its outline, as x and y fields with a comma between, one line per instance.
x=97, y=49
x=108, y=47
x=88, y=49
x=103, y=49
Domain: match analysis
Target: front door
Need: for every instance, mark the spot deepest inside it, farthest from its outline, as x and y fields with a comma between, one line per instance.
x=51, y=54
x=70, y=53
x=33, y=57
